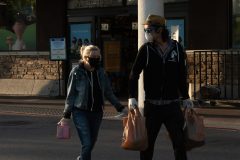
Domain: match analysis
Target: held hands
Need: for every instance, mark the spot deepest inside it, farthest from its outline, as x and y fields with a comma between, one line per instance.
x=124, y=111
x=122, y=114
x=132, y=103
x=187, y=103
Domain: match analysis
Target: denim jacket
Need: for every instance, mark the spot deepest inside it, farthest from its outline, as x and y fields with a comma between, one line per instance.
x=78, y=89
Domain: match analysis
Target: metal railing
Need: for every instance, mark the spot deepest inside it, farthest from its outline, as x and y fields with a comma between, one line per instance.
x=217, y=68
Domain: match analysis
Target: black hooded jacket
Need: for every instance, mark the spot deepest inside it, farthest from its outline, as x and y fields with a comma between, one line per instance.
x=165, y=74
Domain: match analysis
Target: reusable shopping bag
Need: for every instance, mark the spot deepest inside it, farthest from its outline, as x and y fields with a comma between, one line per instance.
x=134, y=133
x=193, y=129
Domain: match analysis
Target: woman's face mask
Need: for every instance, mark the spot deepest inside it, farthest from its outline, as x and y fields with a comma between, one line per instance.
x=94, y=62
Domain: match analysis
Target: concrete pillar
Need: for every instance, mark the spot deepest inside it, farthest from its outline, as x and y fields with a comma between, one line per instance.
x=146, y=7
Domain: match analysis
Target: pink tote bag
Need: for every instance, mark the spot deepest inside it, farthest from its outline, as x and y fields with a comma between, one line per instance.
x=63, y=131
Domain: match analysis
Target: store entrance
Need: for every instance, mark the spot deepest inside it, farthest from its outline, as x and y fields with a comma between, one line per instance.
x=118, y=40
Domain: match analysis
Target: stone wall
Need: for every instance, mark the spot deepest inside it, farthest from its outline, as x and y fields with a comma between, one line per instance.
x=29, y=67
x=32, y=75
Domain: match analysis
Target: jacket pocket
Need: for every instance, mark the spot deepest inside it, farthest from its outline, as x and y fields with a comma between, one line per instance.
x=81, y=83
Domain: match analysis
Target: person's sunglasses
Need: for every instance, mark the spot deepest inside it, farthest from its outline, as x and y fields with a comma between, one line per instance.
x=148, y=30
x=151, y=28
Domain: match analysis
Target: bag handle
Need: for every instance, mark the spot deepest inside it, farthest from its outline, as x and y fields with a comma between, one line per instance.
x=135, y=112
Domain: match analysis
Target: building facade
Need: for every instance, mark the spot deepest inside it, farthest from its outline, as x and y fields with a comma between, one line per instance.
x=110, y=24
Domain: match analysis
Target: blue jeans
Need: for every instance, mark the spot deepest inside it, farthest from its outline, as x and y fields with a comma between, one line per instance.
x=87, y=125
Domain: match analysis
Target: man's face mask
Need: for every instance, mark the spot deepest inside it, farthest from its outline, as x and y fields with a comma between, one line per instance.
x=149, y=33
x=94, y=62
x=149, y=37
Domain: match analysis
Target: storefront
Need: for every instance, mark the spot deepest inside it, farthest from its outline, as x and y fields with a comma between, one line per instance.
x=114, y=30
x=112, y=25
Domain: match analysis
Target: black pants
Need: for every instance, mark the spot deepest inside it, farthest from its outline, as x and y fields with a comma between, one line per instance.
x=172, y=117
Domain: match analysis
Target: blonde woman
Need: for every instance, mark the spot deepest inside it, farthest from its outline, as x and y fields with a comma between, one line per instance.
x=87, y=87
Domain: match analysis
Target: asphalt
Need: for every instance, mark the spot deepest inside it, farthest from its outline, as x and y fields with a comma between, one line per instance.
x=225, y=114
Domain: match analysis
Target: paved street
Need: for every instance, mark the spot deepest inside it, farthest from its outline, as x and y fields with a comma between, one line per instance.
x=33, y=138
x=28, y=128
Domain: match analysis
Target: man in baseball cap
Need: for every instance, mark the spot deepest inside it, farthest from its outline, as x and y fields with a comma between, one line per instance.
x=165, y=82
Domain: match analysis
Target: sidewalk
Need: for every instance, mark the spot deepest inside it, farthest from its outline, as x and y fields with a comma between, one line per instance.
x=223, y=108
x=226, y=114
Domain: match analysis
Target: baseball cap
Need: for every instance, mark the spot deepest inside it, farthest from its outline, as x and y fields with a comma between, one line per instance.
x=155, y=20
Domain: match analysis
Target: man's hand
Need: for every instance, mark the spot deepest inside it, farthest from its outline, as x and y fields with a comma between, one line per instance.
x=132, y=103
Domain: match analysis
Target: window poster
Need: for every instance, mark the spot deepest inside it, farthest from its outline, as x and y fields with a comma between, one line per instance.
x=17, y=25
x=176, y=29
x=80, y=34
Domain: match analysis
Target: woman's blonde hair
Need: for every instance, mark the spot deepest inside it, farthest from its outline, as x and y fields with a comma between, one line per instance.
x=86, y=50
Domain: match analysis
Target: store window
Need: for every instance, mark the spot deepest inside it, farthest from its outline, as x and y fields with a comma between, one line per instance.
x=236, y=24
x=131, y=2
x=17, y=25
x=80, y=34
x=74, y=4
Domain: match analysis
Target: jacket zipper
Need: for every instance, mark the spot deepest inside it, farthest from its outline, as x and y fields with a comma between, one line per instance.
x=91, y=84
x=163, y=56
x=92, y=90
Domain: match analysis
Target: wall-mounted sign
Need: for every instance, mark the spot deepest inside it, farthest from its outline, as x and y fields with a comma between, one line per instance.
x=58, y=49
x=134, y=25
x=104, y=27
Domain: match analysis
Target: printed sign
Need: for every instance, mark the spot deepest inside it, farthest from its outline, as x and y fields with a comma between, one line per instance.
x=58, y=49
